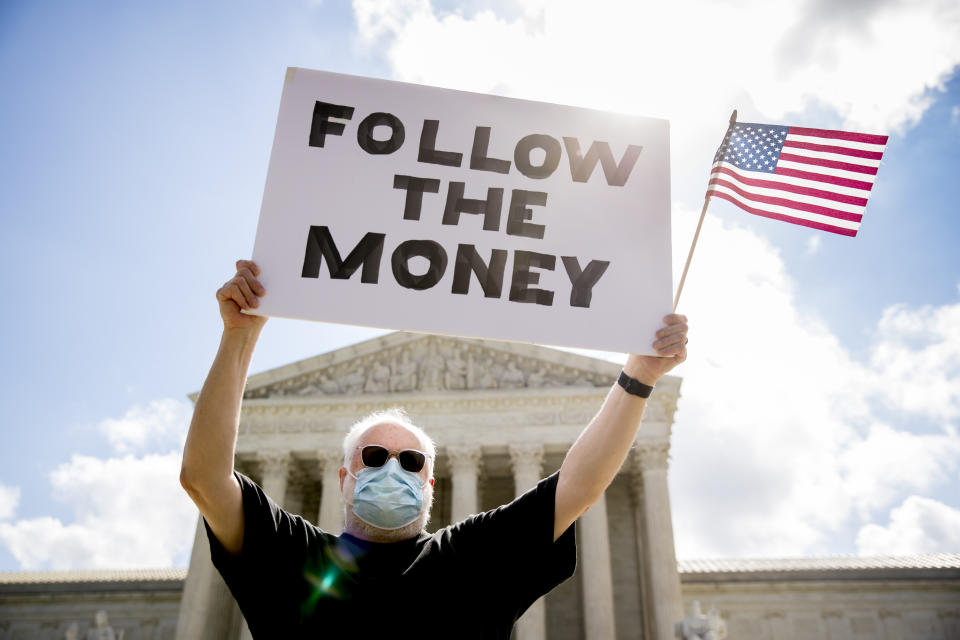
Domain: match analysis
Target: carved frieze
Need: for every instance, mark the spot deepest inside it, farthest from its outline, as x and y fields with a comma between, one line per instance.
x=431, y=364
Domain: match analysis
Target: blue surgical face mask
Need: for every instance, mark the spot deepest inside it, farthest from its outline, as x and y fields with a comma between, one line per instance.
x=387, y=497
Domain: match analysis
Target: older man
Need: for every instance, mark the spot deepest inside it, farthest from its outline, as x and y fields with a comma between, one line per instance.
x=385, y=575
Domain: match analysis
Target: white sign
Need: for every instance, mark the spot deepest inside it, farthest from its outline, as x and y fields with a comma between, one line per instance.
x=408, y=207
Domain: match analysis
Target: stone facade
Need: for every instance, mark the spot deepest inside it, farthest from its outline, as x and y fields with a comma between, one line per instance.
x=142, y=604
x=503, y=416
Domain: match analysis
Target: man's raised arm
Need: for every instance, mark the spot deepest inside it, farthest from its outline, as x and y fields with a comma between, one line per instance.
x=207, y=470
x=596, y=456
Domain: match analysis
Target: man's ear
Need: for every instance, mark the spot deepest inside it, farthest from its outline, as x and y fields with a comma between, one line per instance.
x=343, y=475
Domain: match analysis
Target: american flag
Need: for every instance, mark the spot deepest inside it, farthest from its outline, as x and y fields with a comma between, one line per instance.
x=813, y=177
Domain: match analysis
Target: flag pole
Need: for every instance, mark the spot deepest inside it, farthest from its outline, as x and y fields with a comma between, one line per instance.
x=693, y=245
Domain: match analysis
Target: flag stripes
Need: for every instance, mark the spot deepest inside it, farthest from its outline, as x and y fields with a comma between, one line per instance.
x=816, y=178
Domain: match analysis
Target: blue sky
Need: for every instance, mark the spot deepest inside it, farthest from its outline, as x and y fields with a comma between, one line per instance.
x=136, y=142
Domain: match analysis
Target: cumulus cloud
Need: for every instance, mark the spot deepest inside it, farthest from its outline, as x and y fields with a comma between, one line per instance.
x=160, y=424
x=917, y=354
x=9, y=499
x=779, y=443
x=129, y=510
x=875, y=64
x=919, y=525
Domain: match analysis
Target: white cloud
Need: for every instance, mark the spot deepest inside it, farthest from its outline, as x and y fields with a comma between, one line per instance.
x=880, y=467
x=159, y=425
x=917, y=359
x=919, y=525
x=955, y=114
x=129, y=511
x=9, y=499
x=778, y=443
x=814, y=242
x=874, y=64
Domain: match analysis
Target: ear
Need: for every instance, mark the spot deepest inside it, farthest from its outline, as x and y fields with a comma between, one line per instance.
x=343, y=475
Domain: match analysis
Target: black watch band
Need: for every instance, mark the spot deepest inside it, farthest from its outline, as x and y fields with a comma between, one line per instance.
x=634, y=387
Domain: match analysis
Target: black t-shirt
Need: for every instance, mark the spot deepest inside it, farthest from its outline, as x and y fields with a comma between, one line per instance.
x=469, y=580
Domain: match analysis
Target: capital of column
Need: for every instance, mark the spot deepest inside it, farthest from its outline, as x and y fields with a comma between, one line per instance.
x=526, y=458
x=464, y=458
x=651, y=457
x=330, y=459
x=274, y=462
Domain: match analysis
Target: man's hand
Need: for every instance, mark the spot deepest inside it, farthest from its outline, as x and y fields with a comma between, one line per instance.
x=671, y=345
x=242, y=291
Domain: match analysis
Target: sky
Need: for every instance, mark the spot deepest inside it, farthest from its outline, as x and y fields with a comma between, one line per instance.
x=821, y=399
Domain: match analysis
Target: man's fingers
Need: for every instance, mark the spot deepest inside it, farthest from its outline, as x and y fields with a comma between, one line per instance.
x=675, y=318
x=673, y=341
x=252, y=281
x=249, y=265
x=232, y=291
x=246, y=291
x=671, y=330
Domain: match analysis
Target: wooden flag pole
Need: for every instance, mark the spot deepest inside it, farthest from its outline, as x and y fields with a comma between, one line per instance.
x=693, y=245
x=686, y=267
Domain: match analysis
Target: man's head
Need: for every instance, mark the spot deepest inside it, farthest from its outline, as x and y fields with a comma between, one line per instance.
x=393, y=431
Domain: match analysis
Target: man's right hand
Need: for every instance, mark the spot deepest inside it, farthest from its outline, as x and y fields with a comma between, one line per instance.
x=242, y=291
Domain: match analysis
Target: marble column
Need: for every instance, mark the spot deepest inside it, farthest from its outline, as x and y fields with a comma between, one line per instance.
x=643, y=573
x=659, y=555
x=598, y=617
x=526, y=460
x=330, y=517
x=892, y=624
x=206, y=607
x=275, y=468
x=464, y=468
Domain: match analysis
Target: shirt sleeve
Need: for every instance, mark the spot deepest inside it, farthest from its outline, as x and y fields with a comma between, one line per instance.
x=513, y=545
x=275, y=547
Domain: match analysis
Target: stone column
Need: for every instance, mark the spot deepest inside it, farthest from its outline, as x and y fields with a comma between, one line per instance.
x=148, y=628
x=639, y=522
x=597, y=577
x=330, y=517
x=464, y=469
x=836, y=625
x=892, y=624
x=527, y=463
x=777, y=622
x=206, y=606
x=275, y=466
x=659, y=555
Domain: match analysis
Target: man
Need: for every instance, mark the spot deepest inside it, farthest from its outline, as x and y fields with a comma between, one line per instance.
x=385, y=576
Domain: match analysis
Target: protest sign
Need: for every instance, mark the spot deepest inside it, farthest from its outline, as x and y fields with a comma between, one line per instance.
x=409, y=207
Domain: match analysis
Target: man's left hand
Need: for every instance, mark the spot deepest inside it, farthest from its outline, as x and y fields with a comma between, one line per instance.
x=671, y=347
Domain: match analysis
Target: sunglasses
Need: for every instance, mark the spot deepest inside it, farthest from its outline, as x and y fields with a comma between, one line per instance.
x=375, y=455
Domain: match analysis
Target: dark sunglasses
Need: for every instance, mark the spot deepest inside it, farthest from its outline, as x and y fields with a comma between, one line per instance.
x=374, y=455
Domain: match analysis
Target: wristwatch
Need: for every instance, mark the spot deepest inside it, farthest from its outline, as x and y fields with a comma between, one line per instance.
x=634, y=387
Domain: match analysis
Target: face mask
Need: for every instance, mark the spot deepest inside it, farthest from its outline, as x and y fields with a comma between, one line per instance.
x=387, y=497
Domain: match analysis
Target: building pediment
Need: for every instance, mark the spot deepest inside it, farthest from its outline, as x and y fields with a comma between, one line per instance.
x=403, y=362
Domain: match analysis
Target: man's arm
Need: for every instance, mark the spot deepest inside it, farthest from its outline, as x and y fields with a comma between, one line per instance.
x=596, y=456
x=207, y=470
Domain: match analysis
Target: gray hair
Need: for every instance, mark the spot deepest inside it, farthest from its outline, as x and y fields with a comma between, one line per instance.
x=395, y=416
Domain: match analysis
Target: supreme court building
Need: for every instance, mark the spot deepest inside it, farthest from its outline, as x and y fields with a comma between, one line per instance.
x=503, y=415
